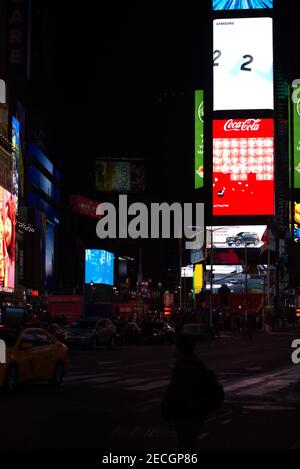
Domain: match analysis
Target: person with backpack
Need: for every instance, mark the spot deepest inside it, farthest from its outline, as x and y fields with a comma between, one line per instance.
x=192, y=394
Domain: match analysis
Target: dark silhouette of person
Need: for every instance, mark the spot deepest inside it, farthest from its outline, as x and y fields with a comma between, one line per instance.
x=182, y=403
x=224, y=294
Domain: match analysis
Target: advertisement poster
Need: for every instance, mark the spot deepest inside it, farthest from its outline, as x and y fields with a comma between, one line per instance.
x=113, y=176
x=99, y=267
x=199, y=140
x=237, y=237
x=8, y=208
x=241, y=4
x=5, y=170
x=243, y=167
x=297, y=222
x=16, y=146
x=243, y=64
x=297, y=145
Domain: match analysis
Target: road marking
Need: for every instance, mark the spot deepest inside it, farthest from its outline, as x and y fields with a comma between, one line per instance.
x=150, y=386
x=226, y=422
x=269, y=408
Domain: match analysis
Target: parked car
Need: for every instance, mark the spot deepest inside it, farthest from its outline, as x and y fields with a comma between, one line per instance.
x=243, y=239
x=53, y=329
x=32, y=354
x=91, y=333
x=158, y=333
x=128, y=333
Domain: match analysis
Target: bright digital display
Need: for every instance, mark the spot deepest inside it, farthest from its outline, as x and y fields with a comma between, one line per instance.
x=99, y=267
x=297, y=222
x=243, y=64
x=8, y=210
x=226, y=237
x=199, y=140
x=241, y=4
x=187, y=272
x=243, y=167
x=234, y=277
x=16, y=146
x=296, y=126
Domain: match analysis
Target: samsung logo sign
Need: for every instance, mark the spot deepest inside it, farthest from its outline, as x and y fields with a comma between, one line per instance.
x=225, y=23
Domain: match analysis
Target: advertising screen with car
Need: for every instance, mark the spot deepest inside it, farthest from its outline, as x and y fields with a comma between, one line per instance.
x=235, y=236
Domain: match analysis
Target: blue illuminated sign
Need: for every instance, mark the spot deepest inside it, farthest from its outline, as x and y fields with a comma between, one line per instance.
x=241, y=4
x=99, y=267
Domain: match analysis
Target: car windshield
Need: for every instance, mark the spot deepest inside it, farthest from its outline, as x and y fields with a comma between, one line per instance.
x=84, y=325
x=10, y=337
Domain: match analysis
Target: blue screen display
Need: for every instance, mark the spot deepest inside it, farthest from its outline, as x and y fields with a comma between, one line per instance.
x=241, y=4
x=99, y=267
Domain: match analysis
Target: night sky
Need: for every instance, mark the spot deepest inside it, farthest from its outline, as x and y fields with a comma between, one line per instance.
x=122, y=80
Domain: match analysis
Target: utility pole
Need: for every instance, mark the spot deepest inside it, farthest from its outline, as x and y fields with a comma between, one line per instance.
x=246, y=283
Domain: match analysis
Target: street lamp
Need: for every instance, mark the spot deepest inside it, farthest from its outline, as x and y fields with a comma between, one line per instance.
x=211, y=273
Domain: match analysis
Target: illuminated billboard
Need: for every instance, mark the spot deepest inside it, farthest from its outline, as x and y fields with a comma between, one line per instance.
x=8, y=210
x=113, y=176
x=199, y=140
x=234, y=277
x=297, y=222
x=243, y=64
x=187, y=272
x=99, y=267
x=243, y=167
x=241, y=4
x=237, y=237
x=16, y=146
x=296, y=126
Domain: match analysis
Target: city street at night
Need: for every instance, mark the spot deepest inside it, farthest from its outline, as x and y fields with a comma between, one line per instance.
x=149, y=230
x=111, y=399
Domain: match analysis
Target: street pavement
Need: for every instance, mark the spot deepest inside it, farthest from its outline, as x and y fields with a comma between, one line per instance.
x=111, y=399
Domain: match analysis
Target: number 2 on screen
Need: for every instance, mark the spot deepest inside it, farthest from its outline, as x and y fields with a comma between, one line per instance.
x=244, y=67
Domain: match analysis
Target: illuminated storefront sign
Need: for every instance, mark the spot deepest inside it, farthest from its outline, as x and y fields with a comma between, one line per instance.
x=199, y=140
x=243, y=167
x=243, y=64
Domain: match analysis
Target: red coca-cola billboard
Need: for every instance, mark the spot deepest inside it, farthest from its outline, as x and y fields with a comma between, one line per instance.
x=243, y=167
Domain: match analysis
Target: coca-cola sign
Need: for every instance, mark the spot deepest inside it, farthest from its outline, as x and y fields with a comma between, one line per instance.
x=249, y=125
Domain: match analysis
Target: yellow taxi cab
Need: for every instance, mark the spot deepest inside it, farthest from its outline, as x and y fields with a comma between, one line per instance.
x=30, y=354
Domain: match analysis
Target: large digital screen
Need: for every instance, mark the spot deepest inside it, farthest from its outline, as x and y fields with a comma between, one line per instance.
x=237, y=237
x=241, y=4
x=99, y=267
x=296, y=127
x=234, y=277
x=199, y=140
x=113, y=176
x=243, y=64
x=8, y=210
x=243, y=167
x=16, y=146
x=297, y=222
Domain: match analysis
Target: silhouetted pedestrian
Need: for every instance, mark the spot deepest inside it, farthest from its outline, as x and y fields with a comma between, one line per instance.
x=192, y=393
